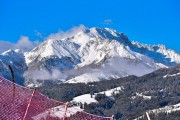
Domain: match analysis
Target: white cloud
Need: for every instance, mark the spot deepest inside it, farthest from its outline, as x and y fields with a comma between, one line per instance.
x=46, y=75
x=63, y=34
x=23, y=43
x=108, y=21
x=4, y=45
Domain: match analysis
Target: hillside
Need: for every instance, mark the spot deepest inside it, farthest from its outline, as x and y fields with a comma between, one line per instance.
x=139, y=94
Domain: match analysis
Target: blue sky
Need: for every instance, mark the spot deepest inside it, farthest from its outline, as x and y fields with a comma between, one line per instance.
x=146, y=21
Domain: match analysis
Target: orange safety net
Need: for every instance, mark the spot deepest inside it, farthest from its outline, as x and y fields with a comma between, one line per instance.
x=21, y=103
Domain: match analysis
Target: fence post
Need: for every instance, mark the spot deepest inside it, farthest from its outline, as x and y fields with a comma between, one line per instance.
x=148, y=116
x=112, y=118
x=13, y=80
x=66, y=106
x=29, y=104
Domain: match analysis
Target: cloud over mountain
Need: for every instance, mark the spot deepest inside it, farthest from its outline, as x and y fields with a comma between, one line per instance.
x=63, y=34
x=24, y=43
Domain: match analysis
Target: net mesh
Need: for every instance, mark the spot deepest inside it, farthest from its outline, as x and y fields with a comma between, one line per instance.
x=21, y=103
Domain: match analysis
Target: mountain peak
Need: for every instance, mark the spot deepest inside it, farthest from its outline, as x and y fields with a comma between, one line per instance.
x=104, y=53
x=104, y=32
x=9, y=52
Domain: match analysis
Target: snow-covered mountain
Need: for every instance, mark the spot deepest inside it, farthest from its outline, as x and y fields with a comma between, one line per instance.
x=14, y=58
x=158, y=52
x=86, y=55
x=94, y=54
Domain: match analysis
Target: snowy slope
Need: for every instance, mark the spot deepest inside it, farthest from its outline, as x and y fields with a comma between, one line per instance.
x=141, y=95
x=167, y=109
x=15, y=58
x=173, y=75
x=86, y=98
x=57, y=112
x=94, y=54
x=158, y=52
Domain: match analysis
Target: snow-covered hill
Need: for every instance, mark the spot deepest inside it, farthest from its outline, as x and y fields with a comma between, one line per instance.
x=94, y=54
x=88, y=98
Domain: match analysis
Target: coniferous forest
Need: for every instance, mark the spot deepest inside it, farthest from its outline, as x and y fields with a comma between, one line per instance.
x=162, y=85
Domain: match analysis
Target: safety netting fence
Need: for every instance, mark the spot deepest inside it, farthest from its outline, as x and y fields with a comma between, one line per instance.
x=21, y=103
